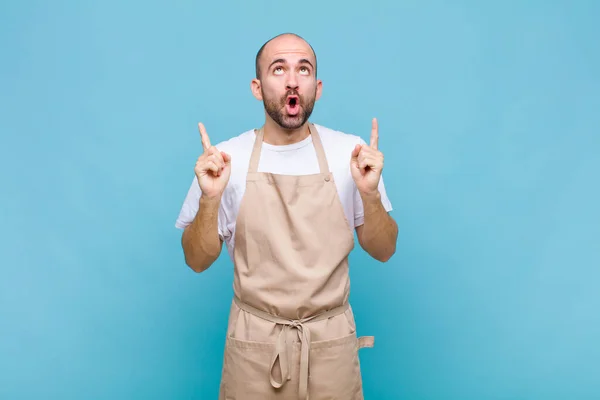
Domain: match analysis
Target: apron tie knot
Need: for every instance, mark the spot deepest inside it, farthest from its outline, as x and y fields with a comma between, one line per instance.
x=283, y=347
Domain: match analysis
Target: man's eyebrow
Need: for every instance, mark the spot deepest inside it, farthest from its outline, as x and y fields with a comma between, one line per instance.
x=281, y=60
x=305, y=61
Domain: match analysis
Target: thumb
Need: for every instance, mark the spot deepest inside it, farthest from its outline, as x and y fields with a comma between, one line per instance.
x=226, y=157
x=356, y=151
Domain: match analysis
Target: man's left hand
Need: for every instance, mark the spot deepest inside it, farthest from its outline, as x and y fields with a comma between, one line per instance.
x=366, y=164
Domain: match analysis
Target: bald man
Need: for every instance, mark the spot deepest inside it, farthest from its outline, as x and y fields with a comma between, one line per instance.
x=286, y=199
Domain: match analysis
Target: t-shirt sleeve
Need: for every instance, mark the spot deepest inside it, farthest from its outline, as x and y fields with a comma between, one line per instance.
x=190, y=207
x=359, y=212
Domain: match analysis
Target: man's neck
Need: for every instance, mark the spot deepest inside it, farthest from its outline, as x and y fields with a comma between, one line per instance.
x=278, y=136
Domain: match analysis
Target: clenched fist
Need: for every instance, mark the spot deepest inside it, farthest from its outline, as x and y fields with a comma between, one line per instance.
x=213, y=167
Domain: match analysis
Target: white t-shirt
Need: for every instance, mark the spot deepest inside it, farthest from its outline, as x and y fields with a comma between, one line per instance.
x=294, y=159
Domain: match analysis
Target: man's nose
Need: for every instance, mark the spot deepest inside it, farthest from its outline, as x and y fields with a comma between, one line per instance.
x=292, y=82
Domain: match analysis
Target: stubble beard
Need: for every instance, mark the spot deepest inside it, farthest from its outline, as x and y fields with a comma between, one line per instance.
x=276, y=110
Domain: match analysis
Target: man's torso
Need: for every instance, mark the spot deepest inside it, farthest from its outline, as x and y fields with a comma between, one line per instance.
x=295, y=159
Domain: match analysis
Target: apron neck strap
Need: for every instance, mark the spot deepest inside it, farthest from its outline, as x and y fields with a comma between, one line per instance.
x=255, y=157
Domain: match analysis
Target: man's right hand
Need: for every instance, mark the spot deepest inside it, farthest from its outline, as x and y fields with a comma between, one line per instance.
x=213, y=168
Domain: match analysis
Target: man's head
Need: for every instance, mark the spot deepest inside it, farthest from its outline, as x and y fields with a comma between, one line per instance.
x=286, y=80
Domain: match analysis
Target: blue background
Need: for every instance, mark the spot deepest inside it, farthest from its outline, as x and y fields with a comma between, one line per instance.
x=489, y=121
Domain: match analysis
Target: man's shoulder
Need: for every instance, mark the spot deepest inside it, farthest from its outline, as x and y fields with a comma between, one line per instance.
x=332, y=138
x=337, y=135
x=240, y=142
x=335, y=140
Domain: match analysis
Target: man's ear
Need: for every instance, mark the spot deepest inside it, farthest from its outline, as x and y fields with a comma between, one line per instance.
x=255, y=87
x=319, y=89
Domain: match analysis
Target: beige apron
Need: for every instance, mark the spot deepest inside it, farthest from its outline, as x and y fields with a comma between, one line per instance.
x=291, y=332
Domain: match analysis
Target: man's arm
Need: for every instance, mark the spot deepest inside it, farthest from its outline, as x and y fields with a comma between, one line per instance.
x=200, y=240
x=378, y=235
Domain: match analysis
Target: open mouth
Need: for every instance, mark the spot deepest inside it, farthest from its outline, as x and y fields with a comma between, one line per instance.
x=293, y=105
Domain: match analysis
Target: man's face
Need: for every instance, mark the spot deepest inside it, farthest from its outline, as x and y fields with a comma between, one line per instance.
x=288, y=84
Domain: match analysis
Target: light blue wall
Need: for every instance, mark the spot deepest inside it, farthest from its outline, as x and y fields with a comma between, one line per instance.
x=489, y=119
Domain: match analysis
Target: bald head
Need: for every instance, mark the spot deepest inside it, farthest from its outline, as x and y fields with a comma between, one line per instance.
x=282, y=42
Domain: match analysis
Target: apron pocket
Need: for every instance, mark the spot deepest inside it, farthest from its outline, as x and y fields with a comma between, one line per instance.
x=246, y=367
x=334, y=369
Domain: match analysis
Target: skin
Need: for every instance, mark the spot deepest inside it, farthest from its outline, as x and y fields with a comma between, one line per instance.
x=287, y=67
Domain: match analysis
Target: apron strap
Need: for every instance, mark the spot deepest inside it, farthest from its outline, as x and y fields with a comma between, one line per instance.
x=255, y=157
x=283, y=348
x=324, y=168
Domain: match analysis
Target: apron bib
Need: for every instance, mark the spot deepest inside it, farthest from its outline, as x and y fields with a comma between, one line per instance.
x=291, y=332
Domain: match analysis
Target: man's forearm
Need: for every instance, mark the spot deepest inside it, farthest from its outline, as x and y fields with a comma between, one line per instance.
x=379, y=232
x=200, y=241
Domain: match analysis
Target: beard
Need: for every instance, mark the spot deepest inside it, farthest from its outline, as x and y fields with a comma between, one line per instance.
x=276, y=109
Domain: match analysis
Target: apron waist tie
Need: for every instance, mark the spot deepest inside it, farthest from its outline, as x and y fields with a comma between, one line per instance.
x=283, y=347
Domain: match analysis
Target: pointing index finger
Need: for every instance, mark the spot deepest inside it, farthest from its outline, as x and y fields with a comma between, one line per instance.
x=204, y=136
x=374, y=134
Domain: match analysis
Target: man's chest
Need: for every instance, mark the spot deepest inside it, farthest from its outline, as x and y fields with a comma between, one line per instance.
x=236, y=188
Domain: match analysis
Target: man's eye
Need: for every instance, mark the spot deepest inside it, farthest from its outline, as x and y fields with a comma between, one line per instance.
x=304, y=70
x=278, y=70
